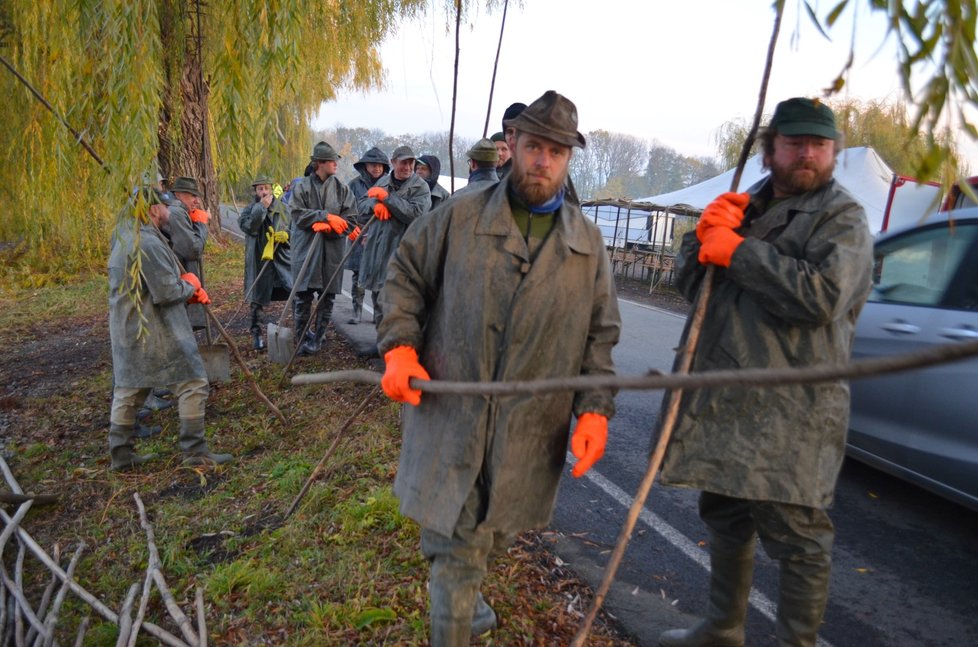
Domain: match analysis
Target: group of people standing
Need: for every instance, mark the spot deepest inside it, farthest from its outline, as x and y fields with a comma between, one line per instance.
x=508, y=281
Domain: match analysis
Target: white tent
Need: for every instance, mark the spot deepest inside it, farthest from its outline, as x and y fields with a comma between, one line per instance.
x=860, y=170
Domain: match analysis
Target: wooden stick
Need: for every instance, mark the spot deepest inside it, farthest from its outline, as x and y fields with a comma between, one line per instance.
x=19, y=580
x=82, y=629
x=201, y=620
x=51, y=621
x=48, y=592
x=125, y=617
x=143, y=603
x=25, y=607
x=3, y=614
x=685, y=362
x=329, y=452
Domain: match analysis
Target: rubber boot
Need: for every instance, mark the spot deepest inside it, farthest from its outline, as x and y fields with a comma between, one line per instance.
x=803, y=594
x=323, y=313
x=194, y=445
x=483, y=618
x=302, y=307
x=257, y=341
x=731, y=571
x=357, y=293
x=120, y=448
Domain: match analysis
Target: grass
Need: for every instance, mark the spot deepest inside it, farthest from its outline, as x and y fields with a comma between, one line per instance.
x=344, y=569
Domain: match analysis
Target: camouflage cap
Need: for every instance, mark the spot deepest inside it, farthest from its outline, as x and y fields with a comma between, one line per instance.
x=552, y=116
x=483, y=151
x=184, y=184
x=323, y=152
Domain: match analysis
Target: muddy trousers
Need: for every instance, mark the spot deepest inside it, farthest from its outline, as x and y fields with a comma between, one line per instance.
x=191, y=401
x=458, y=565
x=798, y=537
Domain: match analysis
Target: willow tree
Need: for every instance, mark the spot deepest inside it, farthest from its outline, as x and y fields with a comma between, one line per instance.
x=217, y=90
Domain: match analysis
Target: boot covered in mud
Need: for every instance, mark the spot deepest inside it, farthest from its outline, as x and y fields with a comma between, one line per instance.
x=194, y=445
x=121, y=449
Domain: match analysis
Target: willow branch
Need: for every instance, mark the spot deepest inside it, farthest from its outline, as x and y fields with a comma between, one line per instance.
x=51, y=621
x=125, y=617
x=82, y=629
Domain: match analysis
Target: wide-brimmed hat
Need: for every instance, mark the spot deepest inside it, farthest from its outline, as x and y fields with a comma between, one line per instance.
x=323, y=152
x=403, y=153
x=262, y=179
x=553, y=116
x=185, y=184
x=483, y=151
x=801, y=116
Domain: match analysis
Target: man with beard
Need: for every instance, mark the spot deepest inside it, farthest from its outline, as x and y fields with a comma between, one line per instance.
x=265, y=224
x=369, y=168
x=401, y=197
x=505, y=284
x=323, y=211
x=793, y=258
x=428, y=168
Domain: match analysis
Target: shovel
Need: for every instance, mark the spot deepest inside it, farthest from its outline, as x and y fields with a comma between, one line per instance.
x=281, y=340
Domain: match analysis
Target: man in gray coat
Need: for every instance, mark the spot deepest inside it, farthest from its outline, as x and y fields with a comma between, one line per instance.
x=186, y=231
x=150, y=333
x=268, y=259
x=370, y=168
x=505, y=284
x=428, y=167
x=482, y=166
x=793, y=258
x=323, y=213
x=399, y=199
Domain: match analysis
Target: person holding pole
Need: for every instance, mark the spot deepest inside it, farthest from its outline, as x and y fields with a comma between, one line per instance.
x=793, y=258
x=506, y=284
x=150, y=334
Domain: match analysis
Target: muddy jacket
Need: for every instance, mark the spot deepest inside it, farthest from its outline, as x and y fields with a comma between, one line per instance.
x=365, y=206
x=166, y=352
x=187, y=239
x=462, y=291
x=276, y=281
x=310, y=203
x=406, y=204
x=790, y=298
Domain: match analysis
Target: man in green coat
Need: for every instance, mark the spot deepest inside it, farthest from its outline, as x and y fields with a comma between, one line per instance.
x=268, y=266
x=793, y=258
x=150, y=333
x=505, y=284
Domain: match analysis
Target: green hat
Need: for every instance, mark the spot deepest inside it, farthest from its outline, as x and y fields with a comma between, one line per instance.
x=262, y=179
x=323, y=152
x=800, y=116
x=498, y=137
x=483, y=151
x=185, y=184
x=403, y=153
x=552, y=116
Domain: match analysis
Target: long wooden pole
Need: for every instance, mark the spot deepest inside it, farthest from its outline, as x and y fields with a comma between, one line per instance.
x=685, y=362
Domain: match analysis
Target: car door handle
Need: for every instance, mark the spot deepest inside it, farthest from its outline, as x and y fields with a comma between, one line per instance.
x=901, y=327
x=959, y=333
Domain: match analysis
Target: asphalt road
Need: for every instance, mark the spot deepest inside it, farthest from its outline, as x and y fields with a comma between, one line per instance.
x=905, y=562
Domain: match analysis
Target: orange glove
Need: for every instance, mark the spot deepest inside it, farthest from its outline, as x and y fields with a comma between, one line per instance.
x=381, y=211
x=377, y=192
x=199, y=296
x=354, y=234
x=321, y=227
x=199, y=215
x=588, y=441
x=337, y=224
x=192, y=279
x=402, y=365
x=726, y=211
x=718, y=246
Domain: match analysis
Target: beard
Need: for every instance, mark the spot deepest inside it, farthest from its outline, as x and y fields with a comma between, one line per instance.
x=537, y=188
x=800, y=177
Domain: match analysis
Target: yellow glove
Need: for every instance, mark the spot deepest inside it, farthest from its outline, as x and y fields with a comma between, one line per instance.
x=281, y=237
x=268, y=253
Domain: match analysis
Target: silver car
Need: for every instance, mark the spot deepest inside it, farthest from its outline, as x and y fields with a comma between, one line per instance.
x=922, y=425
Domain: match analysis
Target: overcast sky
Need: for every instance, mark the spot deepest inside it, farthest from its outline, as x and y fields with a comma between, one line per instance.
x=668, y=71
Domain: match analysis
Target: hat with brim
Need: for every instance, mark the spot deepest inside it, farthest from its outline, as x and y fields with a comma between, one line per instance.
x=552, y=116
x=323, y=152
x=262, y=179
x=185, y=184
x=150, y=195
x=403, y=153
x=483, y=151
x=801, y=116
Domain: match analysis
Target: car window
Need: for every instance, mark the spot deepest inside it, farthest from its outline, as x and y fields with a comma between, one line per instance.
x=920, y=268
